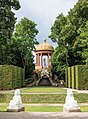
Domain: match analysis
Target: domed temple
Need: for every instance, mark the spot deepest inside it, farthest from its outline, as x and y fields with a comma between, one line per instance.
x=44, y=49
x=42, y=74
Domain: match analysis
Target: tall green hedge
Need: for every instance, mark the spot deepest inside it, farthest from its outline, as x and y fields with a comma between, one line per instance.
x=77, y=77
x=83, y=77
x=11, y=77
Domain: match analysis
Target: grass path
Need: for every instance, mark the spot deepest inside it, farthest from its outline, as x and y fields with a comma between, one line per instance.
x=43, y=90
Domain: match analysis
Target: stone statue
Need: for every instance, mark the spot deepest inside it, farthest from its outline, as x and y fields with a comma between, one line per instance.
x=16, y=99
x=45, y=72
x=70, y=99
x=16, y=103
x=70, y=102
x=44, y=62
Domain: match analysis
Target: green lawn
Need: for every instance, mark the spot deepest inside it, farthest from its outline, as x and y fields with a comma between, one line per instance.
x=50, y=109
x=3, y=108
x=42, y=95
x=84, y=108
x=44, y=90
x=39, y=90
x=44, y=108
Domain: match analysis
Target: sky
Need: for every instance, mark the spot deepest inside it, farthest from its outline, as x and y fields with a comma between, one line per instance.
x=43, y=13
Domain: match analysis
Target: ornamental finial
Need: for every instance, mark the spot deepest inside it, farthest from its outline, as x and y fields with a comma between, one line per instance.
x=44, y=40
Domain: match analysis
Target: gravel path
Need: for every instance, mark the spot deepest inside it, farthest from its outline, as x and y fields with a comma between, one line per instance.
x=44, y=104
x=43, y=115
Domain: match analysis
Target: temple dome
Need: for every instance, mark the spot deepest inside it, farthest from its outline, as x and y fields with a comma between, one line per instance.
x=44, y=46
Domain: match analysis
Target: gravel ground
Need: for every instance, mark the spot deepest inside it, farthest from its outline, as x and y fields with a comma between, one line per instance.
x=43, y=115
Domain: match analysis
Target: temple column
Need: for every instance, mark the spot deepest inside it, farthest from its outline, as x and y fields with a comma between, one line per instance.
x=41, y=59
x=48, y=60
x=49, y=65
x=36, y=59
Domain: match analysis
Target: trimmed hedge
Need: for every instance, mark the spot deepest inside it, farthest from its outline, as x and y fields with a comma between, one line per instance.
x=82, y=77
x=11, y=77
x=77, y=77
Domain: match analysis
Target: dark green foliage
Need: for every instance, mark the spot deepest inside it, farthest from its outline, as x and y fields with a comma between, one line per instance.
x=66, y=77
x=7, y=24
x=72, y=73
x=82, y=42
x=74, y=77
x=11, y=77
x=83, y=77
x=78, y=77
x=6, y=77
x=59, y=62
x=71, y=34
x=16, y=48
x=23, y=44
x=7, y=18
x=69, y=77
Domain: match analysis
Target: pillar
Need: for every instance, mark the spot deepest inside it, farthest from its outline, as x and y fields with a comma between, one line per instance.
x=36, y=59
x=48, y=60
x=41, y=59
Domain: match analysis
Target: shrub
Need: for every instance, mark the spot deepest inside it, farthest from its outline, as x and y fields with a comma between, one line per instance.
x=10, y=77
x=77, y=76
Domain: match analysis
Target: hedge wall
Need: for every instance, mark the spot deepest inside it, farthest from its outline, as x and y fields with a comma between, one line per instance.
x=82, y=77
x=77, y=77
x=11, y=77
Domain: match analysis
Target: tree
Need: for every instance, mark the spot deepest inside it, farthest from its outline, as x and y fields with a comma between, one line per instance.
x=82, y=43
x=7, y=18
x=65, y=33
x=59, y=62
x=59, y=23
x=7, y=23
x=24, y=41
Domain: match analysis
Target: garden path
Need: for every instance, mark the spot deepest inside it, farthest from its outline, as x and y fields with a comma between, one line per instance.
x=43, y=115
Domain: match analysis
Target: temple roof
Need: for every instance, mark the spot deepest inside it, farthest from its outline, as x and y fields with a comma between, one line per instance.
x=44, y=46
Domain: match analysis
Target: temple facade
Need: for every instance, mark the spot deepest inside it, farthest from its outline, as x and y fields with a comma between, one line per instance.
x=43, y=52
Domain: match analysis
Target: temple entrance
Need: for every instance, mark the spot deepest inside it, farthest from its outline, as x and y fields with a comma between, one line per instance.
x=45, y=82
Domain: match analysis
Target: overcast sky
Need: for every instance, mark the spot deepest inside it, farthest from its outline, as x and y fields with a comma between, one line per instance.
x=44, y=13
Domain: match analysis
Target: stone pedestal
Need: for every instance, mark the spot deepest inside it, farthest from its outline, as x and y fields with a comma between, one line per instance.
x=15, y=104
x=71, y=109
x=16, y=109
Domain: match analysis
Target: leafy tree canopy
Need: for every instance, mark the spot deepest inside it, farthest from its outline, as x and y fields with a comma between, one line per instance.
x=7, y=18
x=24, y=41
x=66, y=32
x=7, y=23
x=82, y=42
